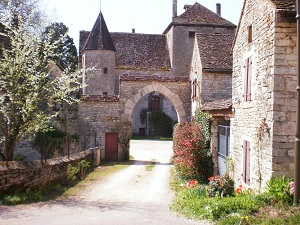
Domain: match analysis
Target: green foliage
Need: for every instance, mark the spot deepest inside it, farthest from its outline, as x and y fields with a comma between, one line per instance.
x=279, y=190
x=162, y=123
x=190, y=158
x=50, y=141
x=220, y=186
x=79, y=171
x=143, y=115
x=19, y=157
x=28, y=90
x=64, y=46
x=204, y=120
x=22, y=197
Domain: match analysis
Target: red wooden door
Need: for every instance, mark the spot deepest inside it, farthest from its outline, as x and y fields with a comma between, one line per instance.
x=111, y=147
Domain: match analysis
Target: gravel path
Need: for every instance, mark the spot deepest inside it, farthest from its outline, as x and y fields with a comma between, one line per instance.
x=132, y=196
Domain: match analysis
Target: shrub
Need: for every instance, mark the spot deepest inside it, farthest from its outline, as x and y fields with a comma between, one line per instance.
x=204, y=120
x=220, y=186
x=280, y=190
x=162, y=123
x=79, y=171
x=191, y=159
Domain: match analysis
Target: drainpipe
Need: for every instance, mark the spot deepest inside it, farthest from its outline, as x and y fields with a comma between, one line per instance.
x=297, y=139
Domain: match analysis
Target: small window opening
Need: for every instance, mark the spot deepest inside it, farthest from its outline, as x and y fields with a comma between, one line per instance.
x=105, y=93
x=250, y=34
x=105, y=70
x=191, y=34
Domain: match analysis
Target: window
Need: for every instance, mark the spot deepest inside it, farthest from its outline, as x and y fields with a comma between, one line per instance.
x=191, y=34
x=194, y=88
x=105, y=70
x=104, y=93
x=154, y=103
x=246, y=162
x=247, y=81
x=250, y=34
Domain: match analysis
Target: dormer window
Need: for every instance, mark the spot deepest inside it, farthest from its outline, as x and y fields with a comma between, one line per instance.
x=192, y=34
x=250, y=34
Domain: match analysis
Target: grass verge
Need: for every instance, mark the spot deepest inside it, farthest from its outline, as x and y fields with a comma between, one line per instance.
x=64, y=189
x=243, y=209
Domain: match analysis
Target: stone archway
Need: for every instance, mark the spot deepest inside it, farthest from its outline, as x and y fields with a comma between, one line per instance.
x=160, y=88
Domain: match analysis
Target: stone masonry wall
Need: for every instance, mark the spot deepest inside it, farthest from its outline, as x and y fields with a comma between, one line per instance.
x=35, y=174
x=265, y=121
x=102, y=114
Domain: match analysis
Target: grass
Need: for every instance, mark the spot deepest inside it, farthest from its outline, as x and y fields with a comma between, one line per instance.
x=151, y=165
x=243, y=209
x=64, y=190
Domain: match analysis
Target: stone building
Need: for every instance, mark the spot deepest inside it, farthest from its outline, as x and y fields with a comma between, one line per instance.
x=142, y=72
x=211, y=76
x=263, y=92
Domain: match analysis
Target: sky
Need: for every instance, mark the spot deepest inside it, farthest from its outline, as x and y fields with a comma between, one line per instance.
x=145, y=16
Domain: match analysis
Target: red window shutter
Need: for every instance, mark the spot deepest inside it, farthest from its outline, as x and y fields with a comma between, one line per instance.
x=246, y=162
x=248, y=76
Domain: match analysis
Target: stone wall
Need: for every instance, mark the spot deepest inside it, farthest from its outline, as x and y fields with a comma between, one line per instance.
x=181, y=45
x=99, y=82
x=102, y=114
x=21, y=175
x=267, y=121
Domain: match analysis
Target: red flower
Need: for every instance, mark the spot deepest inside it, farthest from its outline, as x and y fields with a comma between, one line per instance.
x=238, y=190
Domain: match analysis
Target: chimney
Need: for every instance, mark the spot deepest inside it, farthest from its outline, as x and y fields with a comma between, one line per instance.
x=218, y=5
x=133, y=30
x=174, y=9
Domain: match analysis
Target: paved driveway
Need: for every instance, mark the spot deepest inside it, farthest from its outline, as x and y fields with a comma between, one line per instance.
x=131, y=196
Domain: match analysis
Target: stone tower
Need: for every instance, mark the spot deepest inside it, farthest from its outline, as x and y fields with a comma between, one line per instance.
x=181, y=32
x=97, y=49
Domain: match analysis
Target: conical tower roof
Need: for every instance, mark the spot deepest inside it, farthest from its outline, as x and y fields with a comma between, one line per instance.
x=99, y=38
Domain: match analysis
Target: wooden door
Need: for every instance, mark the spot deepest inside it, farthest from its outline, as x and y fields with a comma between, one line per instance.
x=111, y=147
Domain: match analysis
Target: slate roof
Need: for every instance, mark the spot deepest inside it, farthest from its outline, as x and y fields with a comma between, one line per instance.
x=197, y=14
x=217, y=105
x=215, y=51
x=285, y=5
x=99, y=38
x=141, y=51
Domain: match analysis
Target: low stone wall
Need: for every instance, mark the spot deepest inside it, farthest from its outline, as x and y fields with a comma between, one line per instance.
x=19, y=175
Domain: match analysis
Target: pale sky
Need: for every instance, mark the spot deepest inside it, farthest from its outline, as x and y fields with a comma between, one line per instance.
x=146, y=16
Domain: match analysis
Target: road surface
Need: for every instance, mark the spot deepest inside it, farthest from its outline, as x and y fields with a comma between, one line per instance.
x=131, y=196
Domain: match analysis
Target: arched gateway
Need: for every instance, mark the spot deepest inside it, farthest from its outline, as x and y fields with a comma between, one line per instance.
x=110, y=115
x=175, y=89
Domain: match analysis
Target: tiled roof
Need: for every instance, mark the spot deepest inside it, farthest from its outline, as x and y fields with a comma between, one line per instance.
x=99, y=38
x=217, y=105
x=198, y=14
x=285, y=5
x=141, y=51
x=83, y=36
x=215, y=50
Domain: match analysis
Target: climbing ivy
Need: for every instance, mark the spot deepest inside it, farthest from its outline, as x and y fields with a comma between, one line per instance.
x=204, y=120
x=162, y=123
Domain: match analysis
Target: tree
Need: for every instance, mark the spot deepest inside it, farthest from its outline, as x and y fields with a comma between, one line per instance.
x=57, y=32
x=28, y=92
x=25, y=9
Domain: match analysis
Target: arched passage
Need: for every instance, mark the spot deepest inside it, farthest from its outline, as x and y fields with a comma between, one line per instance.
x=160, y=88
